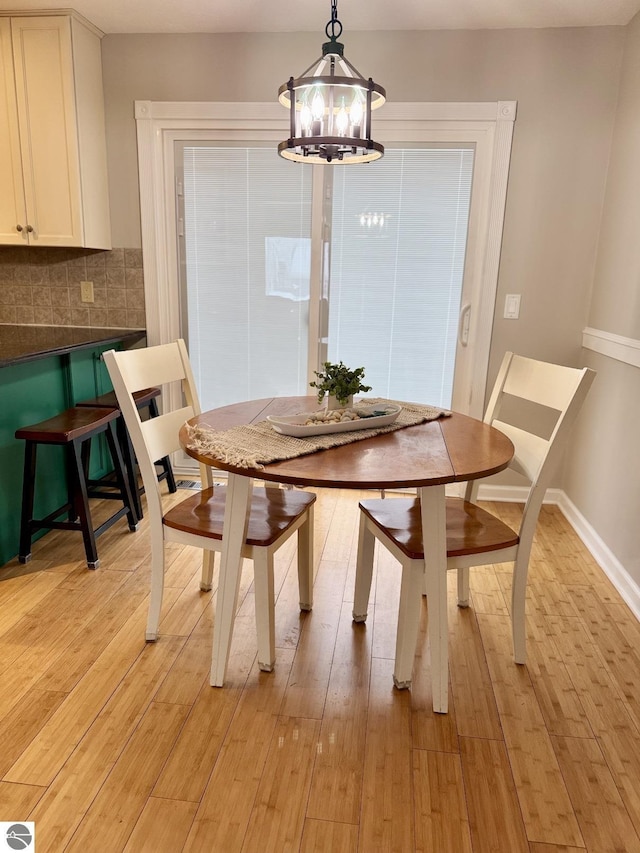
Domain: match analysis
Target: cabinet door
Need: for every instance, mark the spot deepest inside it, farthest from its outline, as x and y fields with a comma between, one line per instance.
x=43, y=64
x=12, y=208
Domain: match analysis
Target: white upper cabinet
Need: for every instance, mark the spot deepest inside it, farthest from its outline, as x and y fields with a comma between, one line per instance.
x=53, y=163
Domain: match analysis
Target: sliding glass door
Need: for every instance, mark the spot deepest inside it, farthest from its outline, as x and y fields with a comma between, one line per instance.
x=397, y=246
x=283, y=268
x=245, y=262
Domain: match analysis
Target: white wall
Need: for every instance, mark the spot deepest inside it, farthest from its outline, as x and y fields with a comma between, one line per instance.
x=602, y=476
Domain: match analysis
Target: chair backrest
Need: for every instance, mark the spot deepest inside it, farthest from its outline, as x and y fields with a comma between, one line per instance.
x=133, y=370
x=558, y=388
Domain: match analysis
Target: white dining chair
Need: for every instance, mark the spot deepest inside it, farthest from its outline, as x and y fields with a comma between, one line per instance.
x=475, y=537
x=275, y=514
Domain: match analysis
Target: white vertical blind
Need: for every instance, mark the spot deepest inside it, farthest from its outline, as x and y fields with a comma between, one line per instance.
x=246, y=247
x=398, y=235
x=398, y=239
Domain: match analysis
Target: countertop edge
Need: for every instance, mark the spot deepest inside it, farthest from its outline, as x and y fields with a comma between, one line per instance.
x=89, y=338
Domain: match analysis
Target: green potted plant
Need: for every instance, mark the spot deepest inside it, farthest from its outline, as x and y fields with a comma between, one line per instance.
x=340, y=383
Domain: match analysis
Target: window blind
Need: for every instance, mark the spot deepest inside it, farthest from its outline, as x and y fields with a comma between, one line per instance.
x=247, y=232
x=398, y=240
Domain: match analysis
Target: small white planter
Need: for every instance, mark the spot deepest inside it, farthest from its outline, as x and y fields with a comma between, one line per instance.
x=333, y=403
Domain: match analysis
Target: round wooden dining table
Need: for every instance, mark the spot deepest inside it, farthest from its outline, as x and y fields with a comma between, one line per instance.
x=427, y=457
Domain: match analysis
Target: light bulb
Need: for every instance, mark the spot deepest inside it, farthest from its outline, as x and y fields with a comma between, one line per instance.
x=317, y=106
x=342, y=120
x=305, y=118
x=317, y=113
x=356, y=111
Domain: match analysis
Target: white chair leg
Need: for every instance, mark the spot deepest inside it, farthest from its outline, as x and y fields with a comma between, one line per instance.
x=463, y=587
x=206, y=580
x=438, y=640
x=157, y=588
x=236, y=513
x=305, y=562
x=408, y=622
x=364, y=570
x=265, y=608
x=206, y=476
x=518, y=603
x=434, y=531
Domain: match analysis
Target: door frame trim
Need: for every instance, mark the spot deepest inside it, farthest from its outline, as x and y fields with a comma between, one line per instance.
x=160, y=123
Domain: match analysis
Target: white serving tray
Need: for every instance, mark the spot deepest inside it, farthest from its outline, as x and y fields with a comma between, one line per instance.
x=295, y=424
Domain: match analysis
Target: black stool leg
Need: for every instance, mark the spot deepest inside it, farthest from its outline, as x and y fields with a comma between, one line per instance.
x=130, y=464
x=80, y=459
x=85, y=456
x=71, y=494
x=165, y=462
x=123, y=482
x=28, y=486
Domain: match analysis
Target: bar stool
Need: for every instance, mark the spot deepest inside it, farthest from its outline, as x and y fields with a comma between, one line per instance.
x=73, y=429
x=145, y=399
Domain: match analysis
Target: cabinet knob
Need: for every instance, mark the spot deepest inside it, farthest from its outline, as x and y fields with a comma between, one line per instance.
x=29, y=229
x=19, y=228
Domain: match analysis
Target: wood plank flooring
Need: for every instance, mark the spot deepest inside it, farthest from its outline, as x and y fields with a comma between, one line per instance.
x=110, y=744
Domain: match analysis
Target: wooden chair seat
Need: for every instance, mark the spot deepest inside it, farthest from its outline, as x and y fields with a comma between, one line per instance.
x=470, y=529
x=273, y=511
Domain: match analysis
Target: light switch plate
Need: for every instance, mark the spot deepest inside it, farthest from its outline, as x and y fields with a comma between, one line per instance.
x=512, y=306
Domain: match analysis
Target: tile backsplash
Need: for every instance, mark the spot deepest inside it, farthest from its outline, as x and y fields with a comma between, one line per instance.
x=41, y=286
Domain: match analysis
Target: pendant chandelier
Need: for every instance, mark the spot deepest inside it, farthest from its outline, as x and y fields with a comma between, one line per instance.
x=330, y=108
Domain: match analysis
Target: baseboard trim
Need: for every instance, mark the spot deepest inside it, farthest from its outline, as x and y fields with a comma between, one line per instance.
x=602, y=554
x=515, y=494
x=599, y=550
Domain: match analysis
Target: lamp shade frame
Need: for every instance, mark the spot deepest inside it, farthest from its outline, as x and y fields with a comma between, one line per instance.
x=328, y=146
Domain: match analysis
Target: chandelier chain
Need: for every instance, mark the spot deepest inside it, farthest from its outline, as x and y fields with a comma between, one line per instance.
x=333, y=29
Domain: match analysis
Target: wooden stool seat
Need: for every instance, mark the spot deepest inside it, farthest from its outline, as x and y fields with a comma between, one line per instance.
x=109, y=400
x=73, y=429
x=144, y=399
x=68, y=425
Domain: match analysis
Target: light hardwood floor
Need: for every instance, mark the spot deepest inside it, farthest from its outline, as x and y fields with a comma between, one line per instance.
x=109, y=744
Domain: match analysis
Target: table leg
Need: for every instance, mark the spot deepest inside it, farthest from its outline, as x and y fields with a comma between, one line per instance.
x=236, y=515
x=434, y=532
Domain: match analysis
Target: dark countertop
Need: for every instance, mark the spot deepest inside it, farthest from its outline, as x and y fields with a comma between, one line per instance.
x=28, y=343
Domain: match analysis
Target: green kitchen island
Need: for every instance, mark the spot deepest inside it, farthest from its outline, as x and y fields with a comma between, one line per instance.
x=44, y=370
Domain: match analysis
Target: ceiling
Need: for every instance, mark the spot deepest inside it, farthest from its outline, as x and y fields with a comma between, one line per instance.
x=224, y=16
